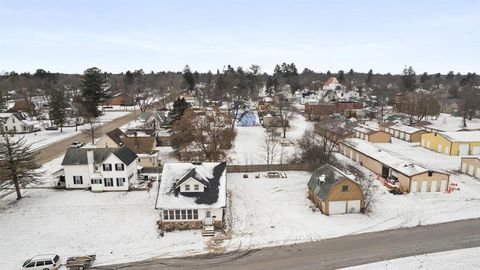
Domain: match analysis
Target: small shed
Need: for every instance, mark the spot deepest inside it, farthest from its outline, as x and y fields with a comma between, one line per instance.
x=247, y=119
x=334, y=192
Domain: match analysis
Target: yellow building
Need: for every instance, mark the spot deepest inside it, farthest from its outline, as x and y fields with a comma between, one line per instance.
x=460, y=143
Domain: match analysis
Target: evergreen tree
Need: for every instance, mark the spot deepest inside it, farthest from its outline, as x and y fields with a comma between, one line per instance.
x=341, y=77
x=179, y=107
x=93, y=91
x=189, y=77
x=57, y=108
x=17, y=163
x=409, y=79
x=369, y=79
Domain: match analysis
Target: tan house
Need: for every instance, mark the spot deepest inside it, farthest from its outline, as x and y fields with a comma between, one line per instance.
x=397, y=172
x=471, y=166
x=374, y=136
x=403, y=132
x=144, y=147
x=111, y=139
x=334, y=192
x=120, y=99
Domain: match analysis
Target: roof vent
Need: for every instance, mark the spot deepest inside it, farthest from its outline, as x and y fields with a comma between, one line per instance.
x=321, y=178
x=196, y=162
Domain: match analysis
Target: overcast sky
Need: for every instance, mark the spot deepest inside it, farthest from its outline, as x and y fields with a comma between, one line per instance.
x=72, y=35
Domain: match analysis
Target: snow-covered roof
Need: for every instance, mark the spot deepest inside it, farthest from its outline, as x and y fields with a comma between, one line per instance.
x=472, y=157
x=214, y=196
x=405, y=128
x=462, y=136
x=400, y=165
x=364, y=129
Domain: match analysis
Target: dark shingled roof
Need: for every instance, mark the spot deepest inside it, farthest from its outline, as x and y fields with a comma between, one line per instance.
x=78, y=156
x=330, y=176
x=140, y=145
x=116, y=135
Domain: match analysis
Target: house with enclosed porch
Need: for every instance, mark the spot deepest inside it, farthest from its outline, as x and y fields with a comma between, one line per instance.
x=471, y=166
x=394, y=172
x=335, y=192
x=403, y=132
x=459, y=143
x=372, y=135
x=192, y=196
x=101, y=169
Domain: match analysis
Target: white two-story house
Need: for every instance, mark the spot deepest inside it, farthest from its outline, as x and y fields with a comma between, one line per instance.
x=18, y=122
x=192, y=195
x=101, y=169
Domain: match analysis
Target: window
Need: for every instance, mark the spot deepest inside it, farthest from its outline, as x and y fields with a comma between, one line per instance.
x=207, y=214
x=77, y=180
x=187, y=187
x=108, y=182
x=56, y=258
x=107, y=167
x=97, y=181
x=195, y=214
x=119, y=167
x=40, y=263
x=196, y=187
x=165, y=215
x=189, y=214
x=344, y=188
x=32, y=264
x=184, y=214
x=120, y=181
x=430, y=173
x=177, y=214
x=171, y=214
x=48, y=262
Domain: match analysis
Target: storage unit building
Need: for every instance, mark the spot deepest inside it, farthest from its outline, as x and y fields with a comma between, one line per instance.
x=459, y=143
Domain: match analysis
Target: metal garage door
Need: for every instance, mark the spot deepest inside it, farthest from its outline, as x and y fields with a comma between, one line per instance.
x=478, y=172
x=463, y=149
x=337, y=207
x=413, y=188
x=433, y=186
x=470, y=170
x=424, y=186
x=476, y=150
x=407, y=137
x=353, y=206
x=464, y=167
x=440, y=148
x=443, y=186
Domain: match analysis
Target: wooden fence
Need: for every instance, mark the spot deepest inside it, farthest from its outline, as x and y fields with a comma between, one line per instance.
x=265, y=168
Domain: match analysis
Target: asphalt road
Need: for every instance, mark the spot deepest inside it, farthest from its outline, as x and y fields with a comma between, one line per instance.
x=54, y=150
x=331, y=253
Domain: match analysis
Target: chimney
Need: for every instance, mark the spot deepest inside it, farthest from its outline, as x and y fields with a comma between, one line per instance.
x=90, y=161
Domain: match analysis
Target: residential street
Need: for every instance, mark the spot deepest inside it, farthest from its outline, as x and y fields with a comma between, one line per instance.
x=332, y=253
x=52, y=151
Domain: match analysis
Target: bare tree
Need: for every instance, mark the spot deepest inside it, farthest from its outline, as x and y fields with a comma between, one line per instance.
x=270, y=146
x=287, y=112
x=17, y=163
x=210, y=134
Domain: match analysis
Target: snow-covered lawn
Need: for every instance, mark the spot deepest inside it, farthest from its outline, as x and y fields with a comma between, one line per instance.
x=465, y=259
x=45, y=137
x=267, y=212
x=448, y=122
x=249, y=142
x=117, y=226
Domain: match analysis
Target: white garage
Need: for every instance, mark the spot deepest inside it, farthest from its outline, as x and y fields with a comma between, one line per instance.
x=343, y=207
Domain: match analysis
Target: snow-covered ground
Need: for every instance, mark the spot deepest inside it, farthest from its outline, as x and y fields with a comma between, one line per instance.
x=465, y=259
x=249, y=142
x=448, y=122
x=116, y=226
x=277, y=211
x=45, y=137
